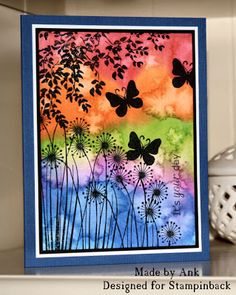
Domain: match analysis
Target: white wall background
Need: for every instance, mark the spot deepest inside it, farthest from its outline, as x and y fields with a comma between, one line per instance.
x=221, y=44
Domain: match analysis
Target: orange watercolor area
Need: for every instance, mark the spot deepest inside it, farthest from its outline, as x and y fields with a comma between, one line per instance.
x=101, y=115
x=159, y=97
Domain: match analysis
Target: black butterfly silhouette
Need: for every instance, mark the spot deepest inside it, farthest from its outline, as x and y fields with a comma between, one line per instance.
x=183, y=74
x=129, y=100
x=140, y=150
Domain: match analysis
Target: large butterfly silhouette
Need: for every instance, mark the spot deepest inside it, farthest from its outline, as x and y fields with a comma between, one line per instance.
x=144, y=151
x=182, y=74
x=122, y=103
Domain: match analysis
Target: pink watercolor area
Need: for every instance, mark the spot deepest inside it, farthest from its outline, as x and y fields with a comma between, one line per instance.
x=179, y=46
x=186, y=179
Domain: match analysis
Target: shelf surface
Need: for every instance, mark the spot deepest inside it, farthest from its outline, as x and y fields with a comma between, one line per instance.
x=222, y=254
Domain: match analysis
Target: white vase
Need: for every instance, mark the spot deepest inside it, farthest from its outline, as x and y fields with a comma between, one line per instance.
x=222, y=193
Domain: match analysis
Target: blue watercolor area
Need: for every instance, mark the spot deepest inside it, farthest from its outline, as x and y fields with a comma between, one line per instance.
x=105, y=216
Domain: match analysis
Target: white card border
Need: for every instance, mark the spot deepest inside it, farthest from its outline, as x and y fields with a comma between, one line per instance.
x=123, y=251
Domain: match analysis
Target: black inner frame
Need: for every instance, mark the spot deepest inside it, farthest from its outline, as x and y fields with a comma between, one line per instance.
x=196, y=168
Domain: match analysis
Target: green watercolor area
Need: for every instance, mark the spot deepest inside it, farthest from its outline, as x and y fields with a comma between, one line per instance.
x=176, y=135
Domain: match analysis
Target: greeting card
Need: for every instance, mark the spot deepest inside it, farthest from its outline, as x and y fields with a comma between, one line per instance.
x=114, y=117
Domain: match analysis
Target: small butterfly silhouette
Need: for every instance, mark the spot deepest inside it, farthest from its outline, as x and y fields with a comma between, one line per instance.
x=183, y=74
x=145, y=151
x=123, y=102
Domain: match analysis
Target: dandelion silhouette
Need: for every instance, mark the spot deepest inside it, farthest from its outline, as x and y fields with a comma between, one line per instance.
x=52, y=156
x=170, y=233
x=142, y=173
x=116, y=157
x=149, y=211
x=78, y=128
x=81, y=146
x=121, y=176
x=104, y=142
x=95, y=192
x=157, y=190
